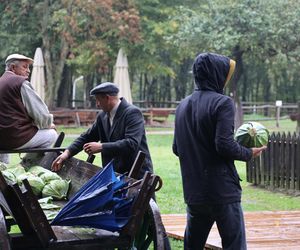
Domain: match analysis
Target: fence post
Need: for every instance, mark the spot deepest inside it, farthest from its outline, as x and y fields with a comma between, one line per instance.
x=298, y=120
x=293, y=161
x=272, y=156
x=278, y=104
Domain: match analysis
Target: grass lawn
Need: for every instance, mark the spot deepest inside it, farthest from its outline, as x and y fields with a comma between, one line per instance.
x=166, y=165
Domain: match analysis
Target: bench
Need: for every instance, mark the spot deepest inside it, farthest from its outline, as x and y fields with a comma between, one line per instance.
x=85, y=117
x=75, y=117
x=63, y=117
x=157, y=115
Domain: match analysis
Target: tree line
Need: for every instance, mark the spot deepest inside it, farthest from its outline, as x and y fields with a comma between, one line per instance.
x=161, y=39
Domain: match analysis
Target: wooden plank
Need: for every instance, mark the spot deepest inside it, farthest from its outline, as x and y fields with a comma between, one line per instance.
x=292, y=162
x=264, y=230
x=288, y=148
x=272, y=169
x=248, y=171
x=281, y=166
x=265, y=177
x=31, y=150
x=136, y=166
x=14, y=204
x=257, y=171
x=35, y=214
x=276, y=161
x=297, y=162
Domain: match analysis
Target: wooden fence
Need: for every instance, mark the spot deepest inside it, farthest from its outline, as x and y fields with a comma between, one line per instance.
x=278, y=168
x=268, y=110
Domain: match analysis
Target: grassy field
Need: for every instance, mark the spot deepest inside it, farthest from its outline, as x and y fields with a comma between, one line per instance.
x=166, y=165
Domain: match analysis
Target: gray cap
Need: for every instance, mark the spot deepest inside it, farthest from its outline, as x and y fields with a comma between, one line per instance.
x=18, y=57
x=105, y=88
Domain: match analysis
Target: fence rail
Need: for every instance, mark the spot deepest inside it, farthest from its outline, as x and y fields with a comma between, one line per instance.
x=278, y=168
x=269, y=110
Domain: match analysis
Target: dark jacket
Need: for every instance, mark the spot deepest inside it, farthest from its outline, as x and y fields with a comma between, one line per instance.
x=123, y=141
x=203, y=140
x=16, y=126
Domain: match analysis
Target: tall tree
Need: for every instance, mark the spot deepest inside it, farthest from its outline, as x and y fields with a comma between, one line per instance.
x=239, y=29
x=84, y=34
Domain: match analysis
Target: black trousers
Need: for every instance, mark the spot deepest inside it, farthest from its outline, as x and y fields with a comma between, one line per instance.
x=230, y=222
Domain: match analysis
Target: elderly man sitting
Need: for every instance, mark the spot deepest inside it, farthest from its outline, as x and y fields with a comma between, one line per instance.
x=25, y=121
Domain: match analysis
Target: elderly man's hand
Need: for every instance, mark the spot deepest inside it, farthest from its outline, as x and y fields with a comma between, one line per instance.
x=257, y=151
x=53, y=126
x=58, y=162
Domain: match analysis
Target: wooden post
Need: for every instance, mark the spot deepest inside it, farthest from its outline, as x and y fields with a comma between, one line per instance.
x=277, y=116
x=298, y=120
x=278, y=104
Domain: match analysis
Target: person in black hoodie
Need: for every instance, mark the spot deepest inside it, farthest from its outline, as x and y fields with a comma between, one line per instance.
x=204, y=142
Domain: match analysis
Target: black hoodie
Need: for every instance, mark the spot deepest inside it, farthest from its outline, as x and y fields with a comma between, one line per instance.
x=203, y=139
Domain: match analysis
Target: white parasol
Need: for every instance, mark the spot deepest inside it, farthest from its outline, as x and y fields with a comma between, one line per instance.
x=122, y=76
x=37, y=79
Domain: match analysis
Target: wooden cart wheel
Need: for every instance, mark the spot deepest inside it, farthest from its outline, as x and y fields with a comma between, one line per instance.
x=152, y=232
x=4, y=238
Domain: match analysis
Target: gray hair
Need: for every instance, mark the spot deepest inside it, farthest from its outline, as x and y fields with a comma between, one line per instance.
x=11, y=62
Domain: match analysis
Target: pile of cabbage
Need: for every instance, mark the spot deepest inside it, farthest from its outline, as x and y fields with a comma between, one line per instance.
x=44, y=183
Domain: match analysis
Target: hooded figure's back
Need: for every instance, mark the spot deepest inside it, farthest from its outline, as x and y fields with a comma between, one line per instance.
x=203, y=140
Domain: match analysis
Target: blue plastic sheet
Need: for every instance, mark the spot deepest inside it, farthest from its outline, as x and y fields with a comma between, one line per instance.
x=100, y=203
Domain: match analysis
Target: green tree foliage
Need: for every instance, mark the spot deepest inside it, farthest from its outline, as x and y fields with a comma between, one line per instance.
x=82, y=34
x=260, y=35
x=161, y=38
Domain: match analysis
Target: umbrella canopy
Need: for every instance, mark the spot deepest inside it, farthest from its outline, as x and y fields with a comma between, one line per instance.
x=100, y=203
x=37, y=79
x=122, y=77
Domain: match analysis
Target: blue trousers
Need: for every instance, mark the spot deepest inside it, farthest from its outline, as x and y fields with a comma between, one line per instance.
x=230, y=223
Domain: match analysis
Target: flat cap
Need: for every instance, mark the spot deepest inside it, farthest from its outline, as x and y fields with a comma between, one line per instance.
x=18, y=57
x=105, y=88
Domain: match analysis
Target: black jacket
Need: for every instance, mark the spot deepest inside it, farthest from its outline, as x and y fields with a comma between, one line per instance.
x=203, y=140
x=122, y=142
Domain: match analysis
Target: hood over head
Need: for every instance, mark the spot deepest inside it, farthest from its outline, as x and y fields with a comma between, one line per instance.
x=212, y=71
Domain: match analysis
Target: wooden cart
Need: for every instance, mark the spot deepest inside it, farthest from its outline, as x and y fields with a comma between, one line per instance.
x=144, y=227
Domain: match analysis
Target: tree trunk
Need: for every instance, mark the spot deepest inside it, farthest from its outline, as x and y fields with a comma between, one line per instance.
x=64, y=94
x=141, y=92
x=182, y=79
x=54, y=64
x=237, y=54
x=54, y=70
x=89, y=84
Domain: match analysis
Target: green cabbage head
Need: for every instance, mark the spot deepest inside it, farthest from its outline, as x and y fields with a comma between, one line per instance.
x=252, y=134
x=58, y=189
x=35, y=182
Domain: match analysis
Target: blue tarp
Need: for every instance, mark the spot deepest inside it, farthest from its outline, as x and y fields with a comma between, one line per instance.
x=100, y=203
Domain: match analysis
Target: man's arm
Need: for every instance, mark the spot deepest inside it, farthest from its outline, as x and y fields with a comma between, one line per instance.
x=76, y=146
x=91, y=135
x=225, y=143
x=35, y=106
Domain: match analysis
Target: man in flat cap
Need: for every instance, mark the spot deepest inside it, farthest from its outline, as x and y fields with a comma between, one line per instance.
x=25, y=121
x=118, y=133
